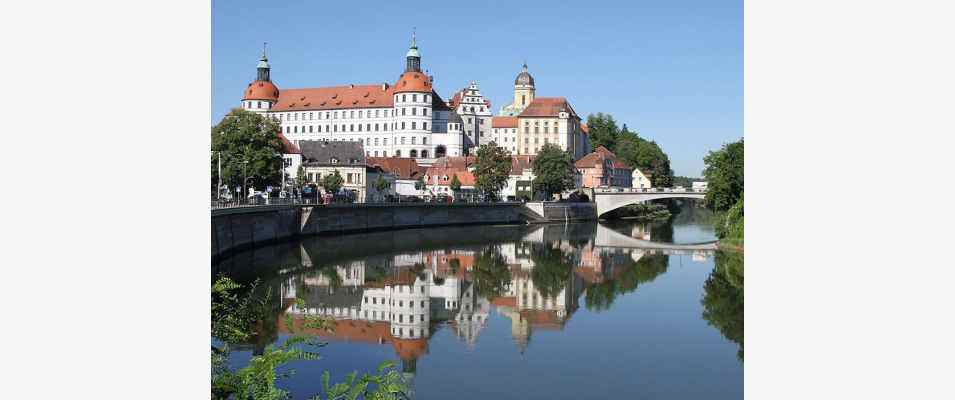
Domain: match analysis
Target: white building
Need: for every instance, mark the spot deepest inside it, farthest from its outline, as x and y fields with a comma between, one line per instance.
x=504, y=133
x=475, y=112
x=641, y=179
x=406, y=119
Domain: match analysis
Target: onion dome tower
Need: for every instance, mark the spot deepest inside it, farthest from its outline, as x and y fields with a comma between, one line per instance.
x=523, y=88
x=261, y=94
x=413, y=108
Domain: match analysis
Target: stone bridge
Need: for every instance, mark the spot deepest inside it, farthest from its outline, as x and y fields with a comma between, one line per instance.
x=613, y=198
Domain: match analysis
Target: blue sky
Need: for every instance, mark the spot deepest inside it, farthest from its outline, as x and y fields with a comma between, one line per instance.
x=671, y=70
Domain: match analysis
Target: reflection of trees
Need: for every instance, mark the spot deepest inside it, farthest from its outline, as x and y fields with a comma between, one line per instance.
x=723, y=298
x=600, y=296
x=551, y=271
x=490, y=273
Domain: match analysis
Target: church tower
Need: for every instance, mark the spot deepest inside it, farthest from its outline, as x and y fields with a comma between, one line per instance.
x=523, y=89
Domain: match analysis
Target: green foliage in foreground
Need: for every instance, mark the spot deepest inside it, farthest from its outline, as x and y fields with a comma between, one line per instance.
x=723, y=297
x=233, y=319
x=332, y=182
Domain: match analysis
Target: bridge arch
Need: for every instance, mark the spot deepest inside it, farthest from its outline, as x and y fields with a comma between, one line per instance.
x=609, y=201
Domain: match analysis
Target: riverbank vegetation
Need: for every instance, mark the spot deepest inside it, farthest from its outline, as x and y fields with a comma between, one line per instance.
x=641, y=212
x=724, y=194
x=236, y=315
x=248, y=149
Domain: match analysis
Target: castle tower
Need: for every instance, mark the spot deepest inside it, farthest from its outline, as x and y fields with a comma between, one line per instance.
x=261, y=94
x=413, y=109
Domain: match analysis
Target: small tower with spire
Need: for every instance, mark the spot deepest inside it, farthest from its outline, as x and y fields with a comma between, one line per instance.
x=413, y=63
x=261, y=94
x=523, y=88
x=263, y=67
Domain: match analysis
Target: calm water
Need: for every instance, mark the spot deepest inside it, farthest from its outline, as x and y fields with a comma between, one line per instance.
x=536, y=312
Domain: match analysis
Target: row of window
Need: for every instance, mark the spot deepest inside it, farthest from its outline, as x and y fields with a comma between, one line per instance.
x=351, y=127
x=257, y=104
x=414, y=97
x=384, y=153
x=345, y=114
x=400, y=332
x=391, y=302
x=537, y=129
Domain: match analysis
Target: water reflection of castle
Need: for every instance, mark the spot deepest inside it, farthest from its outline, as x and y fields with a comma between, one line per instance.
x=400, y=299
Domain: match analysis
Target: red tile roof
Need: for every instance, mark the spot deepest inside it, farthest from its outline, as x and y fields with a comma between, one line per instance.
x=593, y=159
x=261, y=90
x=335, y=97
x=413, y=81
x=287, y=146
x=458, y=162
x=437, y=175
x=547, y=107
x=403, y=168
x=504, y=122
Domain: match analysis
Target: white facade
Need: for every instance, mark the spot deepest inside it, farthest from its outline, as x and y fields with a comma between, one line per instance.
x=640, y=180
x=475, y=111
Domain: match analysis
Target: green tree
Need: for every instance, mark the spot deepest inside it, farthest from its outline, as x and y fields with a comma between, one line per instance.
x=332, y=182
x=724, y=176
x=419, y=183
x=381, y=184
x=491, y=169
x=646, y=156
x=250, y=148
x=455, y=183
x=603, y=131
x=554, y=170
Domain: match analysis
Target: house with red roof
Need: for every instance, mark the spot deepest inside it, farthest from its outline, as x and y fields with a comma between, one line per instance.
x=602, y=169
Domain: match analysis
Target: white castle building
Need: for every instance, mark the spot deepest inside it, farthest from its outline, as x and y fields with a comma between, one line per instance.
x=406, y=119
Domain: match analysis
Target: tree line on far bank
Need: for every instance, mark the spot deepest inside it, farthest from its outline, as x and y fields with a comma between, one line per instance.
x=633, y=150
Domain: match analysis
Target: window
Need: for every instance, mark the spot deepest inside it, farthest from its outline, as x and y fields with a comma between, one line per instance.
x=376, y=113
x=402, y=125
x=376, y=141
x=413, y=123
x=376, y=153
x=352, y=114
x=424, y=125
x=397, y=153
x=359, y=127
x=384, y=141
x=376, y=127
x=311, y=128
x=295, y=129
x=402, y=140
x=422, y=320
x=414, y=139
x=287, y=129
x=401, y=318
x=403, y=97
x=403, y=111
x=414, y=111
x=424, y=140
x=424, y=111
x=386, y=113
x=384, y=153
x=360, y=113
x=426, y=98
x=368, y=127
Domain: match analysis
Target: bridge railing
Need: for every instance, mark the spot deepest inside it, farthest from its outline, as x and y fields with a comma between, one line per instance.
x=647, y=190
x=221, y=204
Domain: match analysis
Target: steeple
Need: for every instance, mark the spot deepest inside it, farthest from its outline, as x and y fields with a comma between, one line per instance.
x=263, y=67
x=413, y=63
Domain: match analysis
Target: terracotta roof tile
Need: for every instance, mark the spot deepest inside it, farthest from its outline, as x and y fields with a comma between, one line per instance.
x=287, y=146
x=261, y=90
x=413, y=81
x=403, y=168
x=547, y=107
x=504, y=122
x=335, y=97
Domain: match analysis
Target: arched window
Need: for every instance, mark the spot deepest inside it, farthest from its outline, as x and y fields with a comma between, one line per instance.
x=413, y=153
x=397, y=153
x=424, y=154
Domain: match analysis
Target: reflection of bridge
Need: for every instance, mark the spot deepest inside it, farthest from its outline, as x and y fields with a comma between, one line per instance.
x=607, y=237
x=611, y=199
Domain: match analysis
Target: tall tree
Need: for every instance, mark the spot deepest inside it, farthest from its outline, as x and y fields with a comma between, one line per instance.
x=332, y=182
x=603, y=131
x=491, y=169
x=553, y=170
x=724, y=176
x=250, y=148
x=646, y=156
x=381, y=184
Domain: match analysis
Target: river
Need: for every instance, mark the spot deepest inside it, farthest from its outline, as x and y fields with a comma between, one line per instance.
x=581, y=310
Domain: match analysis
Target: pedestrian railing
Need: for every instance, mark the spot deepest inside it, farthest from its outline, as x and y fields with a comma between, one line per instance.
x=221, y=204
